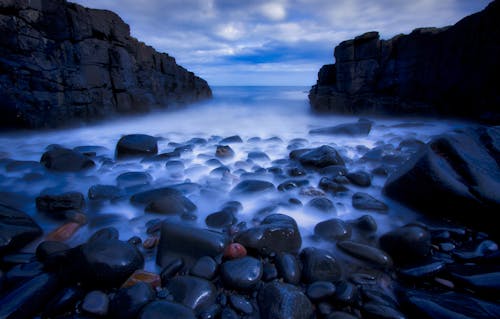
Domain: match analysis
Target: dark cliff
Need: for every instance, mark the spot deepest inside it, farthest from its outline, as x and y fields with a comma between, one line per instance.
x=447, y=71
x=63, y=63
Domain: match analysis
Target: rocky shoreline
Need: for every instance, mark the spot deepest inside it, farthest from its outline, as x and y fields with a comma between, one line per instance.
x=242, y=263
x=64, y=64
x=447, y=71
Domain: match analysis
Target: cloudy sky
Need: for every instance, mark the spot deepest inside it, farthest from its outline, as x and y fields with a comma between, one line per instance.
x=271, y=42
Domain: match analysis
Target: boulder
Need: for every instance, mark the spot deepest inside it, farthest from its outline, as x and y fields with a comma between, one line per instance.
x=65, y=160
x=320, y=157
x=136, y=145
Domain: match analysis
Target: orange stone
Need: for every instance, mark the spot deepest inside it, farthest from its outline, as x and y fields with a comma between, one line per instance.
x=151, y=242
x=143, y=276
x=63, y=232
x=235, y=250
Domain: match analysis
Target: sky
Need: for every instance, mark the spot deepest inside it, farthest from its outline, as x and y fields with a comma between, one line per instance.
x=273, y=42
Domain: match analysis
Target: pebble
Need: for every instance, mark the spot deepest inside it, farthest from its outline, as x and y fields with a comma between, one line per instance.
x=205, y=267
x=166, y=310
x=367, y=253
x=234, y=251
x=96, y=302
x=143, y=276
x=241, y=274
x=283, y=301
x=289, y=268
x=333, y=230
x=320, y=290
x=241, y=304
x=319, y=265
x=363, y=201
x=195, y=293
x=127, y=302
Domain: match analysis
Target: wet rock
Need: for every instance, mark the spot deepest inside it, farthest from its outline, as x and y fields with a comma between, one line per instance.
x=171, y=204
x=127, y=302
x=170, y=270
x=106, y=263
x=220, y=219
x=96, y=302
x=22, y=272
x=482, y=249
x=296, y=154
x=296, y=172
x=133, y=179
x=334, y=170
x=360, y=178
x=104, y=234
x=258, y=156
x=319, y=265
x=252, y=187
x=374, y=310
x=406, y=244
x=231, y=139
x=63, y=302
x=329, y=185
x=241, y=274
x=482, y=279
x=360, y=128
x=423, y=270
x=188, y=243
x=321, y=204
x=228, y=313
x=205, y=268
x=283, y=301
x=367, y=253
x=59, y=203
x=16, y=229
x=104, y=192
x=48, y=248
x=224, y=151
x=345, y=293
x=363, y=201
x=277, y=233
x=269, y=272
x=149, y=196
x=234, y=251
x=333, y=229
x=320, y=290
x=63, y=232
x=134, y=145
x=289, y=268
x=140, y=276
x=320, y=157
x=65, y=160
x=365, y=223
x=340, y=315
x=29, y=298
x=166, y=310
x=241, y=304
x=195, y=293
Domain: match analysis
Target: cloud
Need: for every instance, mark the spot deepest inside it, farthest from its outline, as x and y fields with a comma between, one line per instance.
x=262, y=41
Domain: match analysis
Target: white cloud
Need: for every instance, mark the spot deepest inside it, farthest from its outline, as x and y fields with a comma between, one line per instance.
x=274, y=11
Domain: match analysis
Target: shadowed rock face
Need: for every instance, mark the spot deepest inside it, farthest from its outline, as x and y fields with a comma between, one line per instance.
x=448, y=71
x=61, y=62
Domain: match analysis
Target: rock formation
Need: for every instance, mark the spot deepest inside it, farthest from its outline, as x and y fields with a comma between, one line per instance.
x=449, y=71
x=61, y=62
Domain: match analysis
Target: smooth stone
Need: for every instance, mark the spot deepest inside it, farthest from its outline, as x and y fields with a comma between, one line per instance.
x=104, y=192
x=365, y=223
x=106, y=233
x=276, y=233
x=378, y=295
x=61, y=202
x=228, y=313
x=340, y=315
x=161, y=157
x=425, y=270
x=188, y=243
x=363, y=201
x=321, y=204
x=91, y=150
x=360, y=128
x=252, y=187
x=18, y=258
x=320, y=157
x=320, y=290
x=231, y=139
x=195, y=293
x=333, y=229
x=127, y=302
x=484, y=248
x=258, y=156
x=283, y=301
x=235, y=250
x=66, y=160
x=170, y=270
x=333, y=171
x=29, y=298
x=345, y=293
x=319, y=265
x=63, y=302
x=142, y=276
x=16, y=229
x=149, y=196
x=133, y=179
x=22, y=272
x=241, y=274
x=47, y=248
x=374, y=310
x=296, y=154
x=134, y=145
x=205, y=268
x=360, y=178
x=96, y=302
x=367, y=253
x=166, y=310
x=220, y=219
x=241, y=304
x=407, y=243
x=173, y=204
x=269, y=272
x=289, y=268
x=224, y=151
x=211, y=312
x=482, y=279
x=63, y=232
x=329, y=185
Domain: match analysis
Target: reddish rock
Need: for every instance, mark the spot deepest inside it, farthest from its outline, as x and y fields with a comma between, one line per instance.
x=63, y=232
x=143, y=276
x=234, y=251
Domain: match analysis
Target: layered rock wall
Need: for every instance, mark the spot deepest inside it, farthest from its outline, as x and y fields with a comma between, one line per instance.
x=452, y=71
x=62, y=63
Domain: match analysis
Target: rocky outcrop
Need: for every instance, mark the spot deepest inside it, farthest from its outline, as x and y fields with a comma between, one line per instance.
x=61, y=62
x=450, y=71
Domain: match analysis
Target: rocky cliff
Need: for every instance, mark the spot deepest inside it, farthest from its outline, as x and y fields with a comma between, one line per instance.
x=62, y=63
x=451, y=71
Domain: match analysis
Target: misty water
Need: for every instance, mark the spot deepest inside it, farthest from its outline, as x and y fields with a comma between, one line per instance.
x=273, y=120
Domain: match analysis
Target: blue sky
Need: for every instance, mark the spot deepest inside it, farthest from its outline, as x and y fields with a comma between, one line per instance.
x=273, y=42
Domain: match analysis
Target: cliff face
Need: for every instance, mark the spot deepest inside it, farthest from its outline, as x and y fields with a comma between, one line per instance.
x=452, y=71
x=61, y=62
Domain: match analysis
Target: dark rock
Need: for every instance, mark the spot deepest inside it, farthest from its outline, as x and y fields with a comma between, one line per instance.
x=22, y=272
x=288, y=267
x=242, y=274
x=166, y=310
x=277, y=233
x=91, y=150
x=252, y=187
x=360, y=178
x=136, y=145
x=205, y=268
x=333, y=229
x=367, y=253
x=107, y=233
x=195, y=293
x=241, y=304
x=360, y=128
x=170, y=270
x=29, y=298
x=127, y=302
x=319, y=265
x=320, y=290
x=411, y=73
x=63, y=302
x=476, y=253
x=221, y=219
x=425, y=270
x=377, y=311
x=365, y=223
x=482, y=279
x=345, y=293
x=96, y=302
x=269, y=272
x=48, y=248
x=104, y=192
x=321, y=204
x=320, y=157
x=156, y=194
x=296, y=154
x=65, y=160
x=187, y=243
x=340, y=315
x=171, y=204
x=453, y=175
x=363, y=201
x=258, y=156
x=62, y=202
x=231, y=139
x=224, y=151
x=406, y=244
x=228, y=313
x=16, y=229
x=283, y=301
x=329, y=185
x=133, y=179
